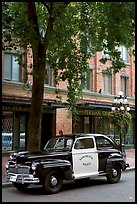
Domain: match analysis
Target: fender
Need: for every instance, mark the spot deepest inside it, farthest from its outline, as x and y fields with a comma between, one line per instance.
x=116, y=155
x=115, y=158
x=64, y=166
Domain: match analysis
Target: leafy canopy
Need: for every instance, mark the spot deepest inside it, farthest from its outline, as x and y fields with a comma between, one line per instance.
x=79, y=30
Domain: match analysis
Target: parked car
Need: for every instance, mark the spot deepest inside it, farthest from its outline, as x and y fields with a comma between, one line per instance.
x=6, y=140
x=66, y=157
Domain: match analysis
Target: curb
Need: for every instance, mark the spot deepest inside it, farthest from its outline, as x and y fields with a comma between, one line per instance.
x=4, y=185
x=130, y=169
x=9, y=184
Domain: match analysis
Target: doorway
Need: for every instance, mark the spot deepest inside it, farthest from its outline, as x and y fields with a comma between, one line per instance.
x=48, y=128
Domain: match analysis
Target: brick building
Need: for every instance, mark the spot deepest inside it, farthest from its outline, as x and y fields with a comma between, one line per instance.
x=98, y=94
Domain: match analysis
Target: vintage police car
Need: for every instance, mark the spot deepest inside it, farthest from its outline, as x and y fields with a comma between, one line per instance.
x=66, y=157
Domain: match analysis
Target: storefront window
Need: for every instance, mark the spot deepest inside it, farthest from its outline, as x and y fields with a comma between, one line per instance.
x=86, y=125
x=13, y=130
x=102, y=125
x=7, y=130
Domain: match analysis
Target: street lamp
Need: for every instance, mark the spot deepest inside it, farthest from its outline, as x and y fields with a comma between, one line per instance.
x=121, y=106
x=120, y=103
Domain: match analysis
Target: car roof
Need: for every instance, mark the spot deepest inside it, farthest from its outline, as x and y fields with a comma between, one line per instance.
x=76, y=135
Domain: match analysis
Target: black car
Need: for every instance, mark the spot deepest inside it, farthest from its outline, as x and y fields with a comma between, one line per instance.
x=67, y=157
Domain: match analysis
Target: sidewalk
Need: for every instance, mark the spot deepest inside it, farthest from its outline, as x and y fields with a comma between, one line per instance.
x=130, y=159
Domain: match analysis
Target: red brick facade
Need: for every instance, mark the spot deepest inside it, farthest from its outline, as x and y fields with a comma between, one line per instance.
x=12, y=90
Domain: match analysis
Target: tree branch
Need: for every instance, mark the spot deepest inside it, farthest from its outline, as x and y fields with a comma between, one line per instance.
x=67, y=3
x=48, y=31
x=46, y=4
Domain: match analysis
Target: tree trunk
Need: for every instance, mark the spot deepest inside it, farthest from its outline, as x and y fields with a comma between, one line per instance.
x=34, y=126
x=39, y=59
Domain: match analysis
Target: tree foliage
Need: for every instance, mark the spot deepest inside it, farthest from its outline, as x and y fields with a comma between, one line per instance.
x=120, y=121
x=66, y=35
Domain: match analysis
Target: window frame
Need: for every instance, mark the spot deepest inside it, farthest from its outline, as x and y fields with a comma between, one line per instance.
x=107, y=82
x=47, y=75
x=124, y=53
x=125, y=84
x=87, y=84
x=11, y=76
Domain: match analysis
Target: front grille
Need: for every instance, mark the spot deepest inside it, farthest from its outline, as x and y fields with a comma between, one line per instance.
x=18, y=169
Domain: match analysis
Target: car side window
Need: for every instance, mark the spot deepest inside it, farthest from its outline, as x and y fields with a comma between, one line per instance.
x=85, y=143
x=103, y=142
x=69, y=143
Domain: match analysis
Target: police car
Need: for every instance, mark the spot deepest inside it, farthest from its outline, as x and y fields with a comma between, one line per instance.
x=67, y=157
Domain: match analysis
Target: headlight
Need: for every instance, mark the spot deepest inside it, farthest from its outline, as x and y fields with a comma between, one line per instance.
x=7, y=165
x=33, y=166
x=11, y=157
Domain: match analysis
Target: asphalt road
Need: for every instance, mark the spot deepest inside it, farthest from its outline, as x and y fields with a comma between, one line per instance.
x=97, y=190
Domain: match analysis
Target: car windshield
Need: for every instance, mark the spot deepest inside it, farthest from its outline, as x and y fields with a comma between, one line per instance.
x=59, y=143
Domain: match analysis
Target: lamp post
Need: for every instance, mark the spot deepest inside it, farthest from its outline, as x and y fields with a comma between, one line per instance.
x=120, y=105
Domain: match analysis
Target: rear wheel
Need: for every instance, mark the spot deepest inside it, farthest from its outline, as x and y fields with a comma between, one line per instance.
x=53, y=182
x=20, y=186
x=114, y=174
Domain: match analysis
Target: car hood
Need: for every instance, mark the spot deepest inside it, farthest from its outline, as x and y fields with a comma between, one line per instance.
x=26, y=156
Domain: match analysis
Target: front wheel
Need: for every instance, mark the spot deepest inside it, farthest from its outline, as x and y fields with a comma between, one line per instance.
x=53, y=182
x=114, y=174
x=20, y=186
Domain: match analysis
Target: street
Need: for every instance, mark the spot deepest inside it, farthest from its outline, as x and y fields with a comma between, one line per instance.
x=96, y=190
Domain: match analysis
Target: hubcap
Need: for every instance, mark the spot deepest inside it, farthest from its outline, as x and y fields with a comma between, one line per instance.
x=114, y=172
x=53, y=181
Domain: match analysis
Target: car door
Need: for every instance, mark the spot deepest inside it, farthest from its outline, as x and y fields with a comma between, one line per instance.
x=84, y=157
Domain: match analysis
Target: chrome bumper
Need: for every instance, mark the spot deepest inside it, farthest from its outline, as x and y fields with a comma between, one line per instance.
x=22, y=178
x=127, y=165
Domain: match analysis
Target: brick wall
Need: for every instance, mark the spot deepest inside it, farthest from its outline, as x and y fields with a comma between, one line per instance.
x=63, y=122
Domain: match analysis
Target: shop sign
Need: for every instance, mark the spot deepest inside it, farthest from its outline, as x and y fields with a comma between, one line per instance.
x=93, y=112
x=15, y=108
x=24, y=109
